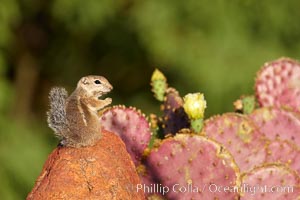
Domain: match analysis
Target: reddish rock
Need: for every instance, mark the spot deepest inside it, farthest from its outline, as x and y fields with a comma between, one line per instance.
x=103, y=171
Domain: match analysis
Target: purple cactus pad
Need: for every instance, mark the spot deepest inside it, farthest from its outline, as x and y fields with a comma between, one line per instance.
x=271, y=181
x=192, y=166
x=240, y=136
x=131, y=126
x=278, y=84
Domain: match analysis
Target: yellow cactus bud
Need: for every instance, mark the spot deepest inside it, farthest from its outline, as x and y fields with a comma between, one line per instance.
x=194, y=105
x=158, y=75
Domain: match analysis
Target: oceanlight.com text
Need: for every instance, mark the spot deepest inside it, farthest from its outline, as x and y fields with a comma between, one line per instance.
x=213, y=188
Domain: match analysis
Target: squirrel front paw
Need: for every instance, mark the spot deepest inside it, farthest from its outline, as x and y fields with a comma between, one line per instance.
x=108, y=101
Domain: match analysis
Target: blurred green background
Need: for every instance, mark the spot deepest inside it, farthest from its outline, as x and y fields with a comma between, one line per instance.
x=214, y=47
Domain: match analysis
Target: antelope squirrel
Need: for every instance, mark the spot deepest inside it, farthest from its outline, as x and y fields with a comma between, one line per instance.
x=74, y=119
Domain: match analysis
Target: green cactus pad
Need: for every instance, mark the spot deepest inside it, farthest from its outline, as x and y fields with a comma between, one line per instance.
x=248, y=104
x=159, y=84
x=245, y=104
x=197, y=125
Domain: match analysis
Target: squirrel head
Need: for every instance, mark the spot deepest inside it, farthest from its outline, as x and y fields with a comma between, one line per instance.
x=94, y=86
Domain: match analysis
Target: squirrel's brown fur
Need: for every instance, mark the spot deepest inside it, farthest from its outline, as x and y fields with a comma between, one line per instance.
x=74, y=119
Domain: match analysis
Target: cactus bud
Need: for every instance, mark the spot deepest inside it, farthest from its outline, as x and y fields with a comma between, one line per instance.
x=194, y=105
x=159, y=84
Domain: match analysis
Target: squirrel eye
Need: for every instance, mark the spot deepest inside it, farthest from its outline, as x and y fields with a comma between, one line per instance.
x=97, y=82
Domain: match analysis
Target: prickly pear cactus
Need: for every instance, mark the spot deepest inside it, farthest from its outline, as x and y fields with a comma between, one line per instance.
x=270, y=181
x=240, y=136
x=284, y=152
x=188, y=166
x=245, y=104
x=183, y=158
x=194, y=106
x=159, y=84
x=132, y=126
x=278, y=84
x=278, y=123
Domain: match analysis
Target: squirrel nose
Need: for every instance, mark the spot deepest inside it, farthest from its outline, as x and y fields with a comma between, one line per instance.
x=110, y=87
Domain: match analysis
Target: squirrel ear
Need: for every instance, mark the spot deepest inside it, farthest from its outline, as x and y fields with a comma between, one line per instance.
x=84, y=81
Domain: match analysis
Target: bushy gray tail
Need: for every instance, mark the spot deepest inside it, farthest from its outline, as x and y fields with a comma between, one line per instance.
x=57, y=113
